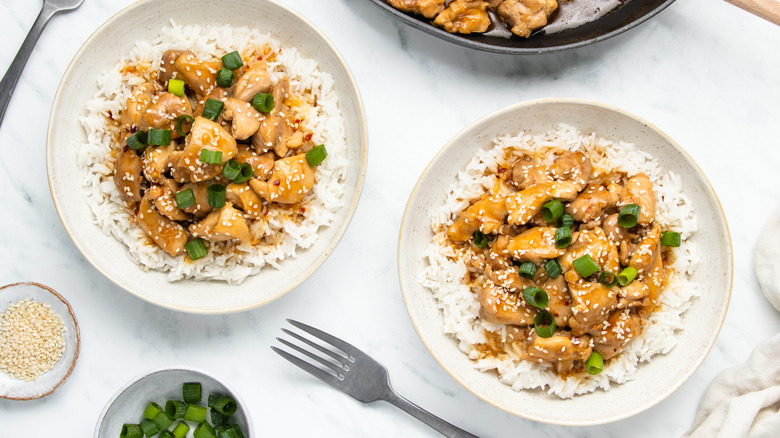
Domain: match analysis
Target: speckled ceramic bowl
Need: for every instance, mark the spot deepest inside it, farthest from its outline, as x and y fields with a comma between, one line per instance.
x=48, y=382
x=103, y=50
x=654, y=380
x=161, y=385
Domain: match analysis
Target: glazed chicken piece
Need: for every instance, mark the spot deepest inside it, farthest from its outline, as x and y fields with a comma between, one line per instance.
x=167, y=234
x=200, y=191
x=613, y=230
x=216, y=93
x=500, y=269
x=127, y=173
x=526, y=174
x=205, y=134
x=654, y=279
x=165, y=109
x=262, y=165
x=523, y=16
x=639, y=191
x=633, y=295
x=223, y=224
x=246, y=120
x=647, y=251
x=525, y=204
x=560, y=346
x=157, y=161
x=610, y=336
x=290, y=181
x=199, y=75
x=243, y=197
x=595, y=243
x=497, y=305
x=464, y=16
x=168, y=65
x=591, y=203
x=276, y=131
x=592, y=302
x=136, y=106
x=486, y=215
x=164, y=201
x=574, y=167
x=535, y=245
x=254, y=80
x=426, y=8
x=559, y=302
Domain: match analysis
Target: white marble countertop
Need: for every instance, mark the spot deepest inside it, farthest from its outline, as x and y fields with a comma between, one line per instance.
x=702, y=70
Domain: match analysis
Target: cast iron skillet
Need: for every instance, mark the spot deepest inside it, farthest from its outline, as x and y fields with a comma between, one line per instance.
x=624, y=17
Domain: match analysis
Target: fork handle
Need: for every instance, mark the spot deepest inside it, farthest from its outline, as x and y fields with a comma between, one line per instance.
x=426, y=417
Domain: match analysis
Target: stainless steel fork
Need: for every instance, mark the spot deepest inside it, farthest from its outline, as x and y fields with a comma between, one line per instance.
x=345, y=367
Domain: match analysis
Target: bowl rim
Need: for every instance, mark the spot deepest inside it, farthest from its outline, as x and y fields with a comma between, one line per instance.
x=76, y=345
x=584, y=102
x=151, y=372
x=350, y=210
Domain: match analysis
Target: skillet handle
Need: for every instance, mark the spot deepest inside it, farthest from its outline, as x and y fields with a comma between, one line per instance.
x=769, y=10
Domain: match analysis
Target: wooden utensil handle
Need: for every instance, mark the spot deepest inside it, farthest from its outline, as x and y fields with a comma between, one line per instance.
x=769, y=10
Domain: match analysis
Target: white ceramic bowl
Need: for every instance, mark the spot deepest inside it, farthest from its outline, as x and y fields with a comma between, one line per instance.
x=49, y=381
x=653, y=381
x=127, y=405
x=103, y=50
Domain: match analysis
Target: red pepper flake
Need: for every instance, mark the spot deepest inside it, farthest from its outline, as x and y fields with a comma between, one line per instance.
x=303, y=209
x=277, y=182
x=110, y=114
x=125, y=148
x=501, y=170
x=297, y=120
x=309, y=136
x=259, y=58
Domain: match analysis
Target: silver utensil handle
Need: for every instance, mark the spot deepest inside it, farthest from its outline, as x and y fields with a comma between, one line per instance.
x=11, y=77
x=426, y=417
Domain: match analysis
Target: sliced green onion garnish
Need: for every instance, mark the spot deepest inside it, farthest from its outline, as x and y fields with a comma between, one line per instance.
x=607, y=278
x=225, y=78
x=217, y=195
x=166, y=434
x=151, y=411
x=626, y=276
x=203, y=430
x=263, y=102
x=228, y=432
x=535, y=297
x=191, y=392
x=629, y=215
x=223, y=404
x=316, y=155
x=210, y=157
x=196, y=249
x=176, y=86
x=544, y=323
x=232, y=61
x=149, y=428
x=562, y=237
x=184, y=124
x=184, y=199
x=566, y=221
x=236, y=429
x=246, y=173
x=232, y=169
x=218, y=419
x=181, y=429
x=586, y=266
x=131, y=431
x=163, y=421
x=212, y=109
x=480, y=240
x=671, y=238
x=195, y=413
x=552, y=210
x=553, y=268
x=527, y=270
x=175, y=408
x=159, y=137
x=595, y=363
x=138, y=140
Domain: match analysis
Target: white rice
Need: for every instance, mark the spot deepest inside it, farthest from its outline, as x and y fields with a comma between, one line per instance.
x=283, y=236
x=447, y=269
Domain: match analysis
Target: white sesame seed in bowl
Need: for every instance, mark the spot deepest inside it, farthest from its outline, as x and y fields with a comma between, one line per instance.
x=39, y=341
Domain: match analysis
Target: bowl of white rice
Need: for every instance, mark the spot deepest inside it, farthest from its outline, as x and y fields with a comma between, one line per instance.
x=679, y=333
x=81, y=152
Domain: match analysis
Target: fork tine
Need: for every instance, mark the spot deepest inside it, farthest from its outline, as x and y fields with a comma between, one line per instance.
x=325, y=376
x=335, y=367
x=334, y=354
x=347, y=348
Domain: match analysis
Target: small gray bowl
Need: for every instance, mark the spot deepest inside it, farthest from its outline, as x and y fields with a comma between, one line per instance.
x=161, y=385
